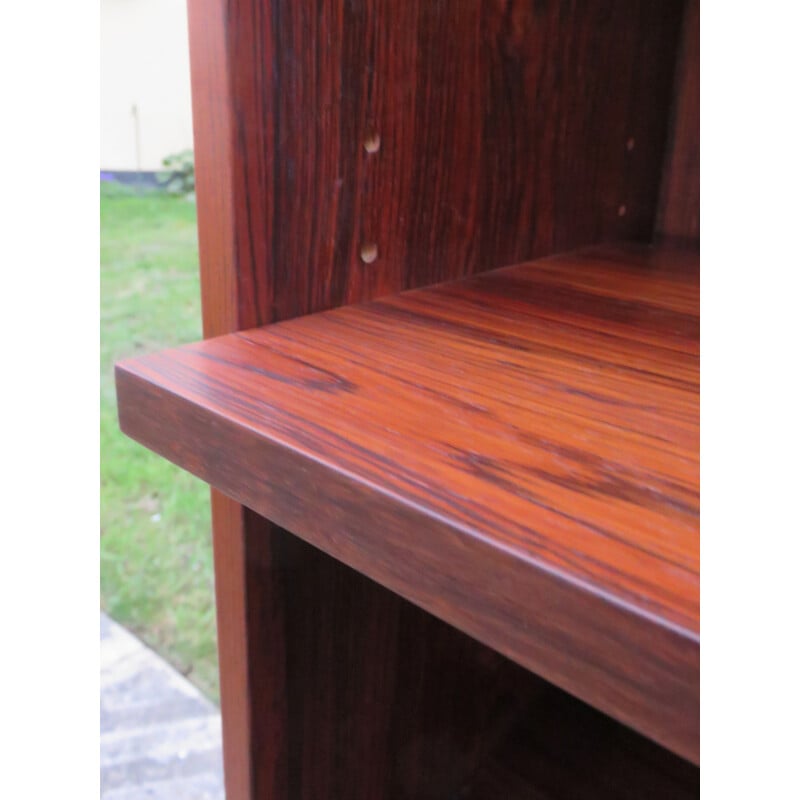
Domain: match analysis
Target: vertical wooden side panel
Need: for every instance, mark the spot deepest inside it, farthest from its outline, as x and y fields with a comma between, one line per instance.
x=213, y=125
x=679, y=205
x=213, y=150
x=232, y=643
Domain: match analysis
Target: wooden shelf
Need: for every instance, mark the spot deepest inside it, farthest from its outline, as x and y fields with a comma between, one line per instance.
x=517, y=453
x=559, y=749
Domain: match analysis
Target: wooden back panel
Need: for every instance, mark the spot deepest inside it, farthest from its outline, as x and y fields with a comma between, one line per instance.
x=508, y=130
x=679, y=206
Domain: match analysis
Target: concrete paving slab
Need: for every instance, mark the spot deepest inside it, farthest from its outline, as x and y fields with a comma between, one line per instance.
x=159, y=736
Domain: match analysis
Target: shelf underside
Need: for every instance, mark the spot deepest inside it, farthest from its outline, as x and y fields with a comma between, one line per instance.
x=517, y=452
x=560, y=749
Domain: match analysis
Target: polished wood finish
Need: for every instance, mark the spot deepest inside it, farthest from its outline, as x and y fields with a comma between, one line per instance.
x=517, y=453
x=215, y=161
x=233, y=645
x=215, y=164
x=679, y=209
x=560, y=748
x=490, y=730
x=350, y=694
x=505, y=133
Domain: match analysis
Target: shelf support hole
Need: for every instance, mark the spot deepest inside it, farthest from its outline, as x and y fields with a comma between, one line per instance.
x=369, y=252
x=372, y=143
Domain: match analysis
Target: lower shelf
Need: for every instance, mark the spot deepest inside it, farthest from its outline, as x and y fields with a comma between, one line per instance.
x=561, y=749
x=357, y=693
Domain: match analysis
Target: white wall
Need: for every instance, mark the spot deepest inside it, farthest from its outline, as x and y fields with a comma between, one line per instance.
x=144, y=61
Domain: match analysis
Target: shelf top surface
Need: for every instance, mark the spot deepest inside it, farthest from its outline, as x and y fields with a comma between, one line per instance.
x=549, y=408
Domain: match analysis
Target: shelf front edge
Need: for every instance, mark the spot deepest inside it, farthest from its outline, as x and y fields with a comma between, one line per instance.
x=637, y=670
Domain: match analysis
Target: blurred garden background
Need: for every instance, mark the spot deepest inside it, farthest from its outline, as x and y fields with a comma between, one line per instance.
x=155, y=546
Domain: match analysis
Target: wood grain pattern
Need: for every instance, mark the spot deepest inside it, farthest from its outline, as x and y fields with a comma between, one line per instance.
x=491, y=730
x=212, y=118
x=349, y=684
x=679, y=207
x=504, y=133
x=215, y=157
x=293, y=725
x=504, y=130
x=517, y=453
x=560, y=748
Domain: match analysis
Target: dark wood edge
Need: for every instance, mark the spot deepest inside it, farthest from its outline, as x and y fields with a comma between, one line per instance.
x=572, y=636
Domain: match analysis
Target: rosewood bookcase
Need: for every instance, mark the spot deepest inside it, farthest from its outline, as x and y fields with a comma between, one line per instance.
x=448, y=399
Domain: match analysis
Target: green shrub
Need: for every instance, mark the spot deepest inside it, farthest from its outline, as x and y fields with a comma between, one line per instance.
x=179, y=179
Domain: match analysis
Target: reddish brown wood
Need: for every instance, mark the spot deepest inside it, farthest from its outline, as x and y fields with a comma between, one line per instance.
x=679, y=209
x=560, y=748
x=280, y=737
x=499, y=729
x=503, y=136
x=213, y=159
x=504, y=131
x=213, y=121
x=232, y=643
x=516, y=453
x=350, y=684
x=212, y=109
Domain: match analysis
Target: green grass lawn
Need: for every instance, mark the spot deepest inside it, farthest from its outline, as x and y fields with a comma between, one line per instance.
x=155, y=546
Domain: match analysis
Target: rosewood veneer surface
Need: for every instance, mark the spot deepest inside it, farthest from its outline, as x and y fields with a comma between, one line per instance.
x=560, y=749
x=516, y=452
